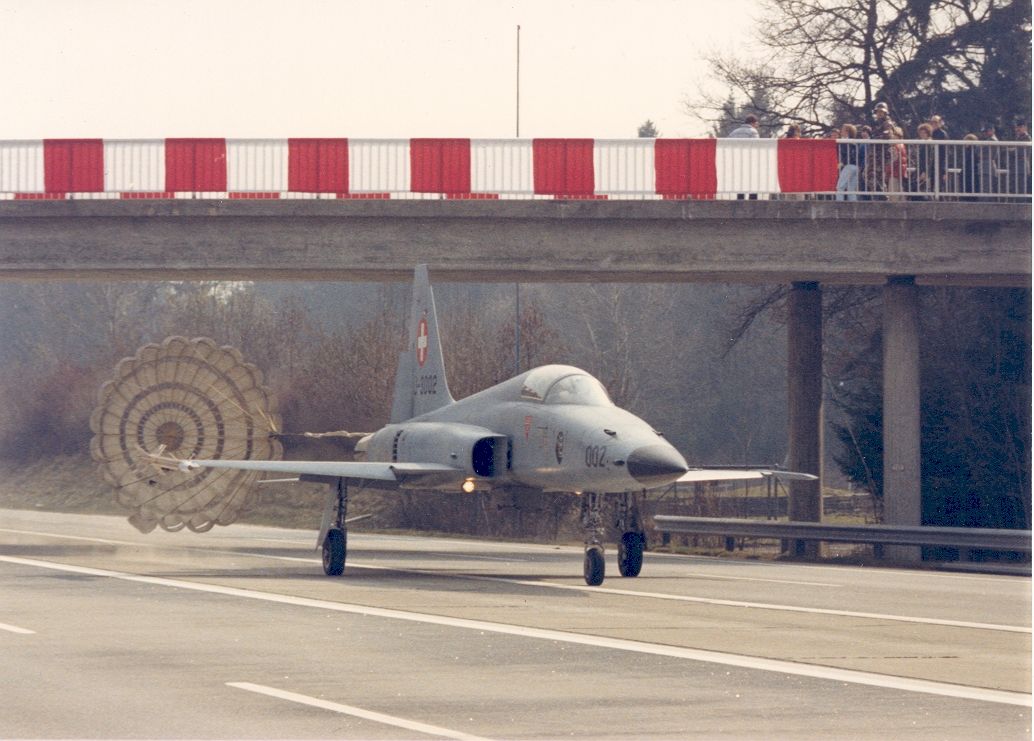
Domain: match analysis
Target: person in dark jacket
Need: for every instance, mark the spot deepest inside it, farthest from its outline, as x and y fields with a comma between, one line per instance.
x=1021, y=133
x=921, y=157
x=988, y=165
x=969, y=167
x=947, y=156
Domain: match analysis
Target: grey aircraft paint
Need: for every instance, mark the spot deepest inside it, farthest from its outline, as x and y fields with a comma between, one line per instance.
x=552, y=428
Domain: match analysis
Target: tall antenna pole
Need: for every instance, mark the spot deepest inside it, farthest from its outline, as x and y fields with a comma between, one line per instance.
x=518, y=82
x=517, y=286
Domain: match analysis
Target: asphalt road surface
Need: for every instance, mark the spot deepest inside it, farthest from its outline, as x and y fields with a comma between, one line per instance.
x=236, y=633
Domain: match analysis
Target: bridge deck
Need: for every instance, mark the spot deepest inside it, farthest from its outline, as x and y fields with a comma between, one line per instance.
x=762, y=241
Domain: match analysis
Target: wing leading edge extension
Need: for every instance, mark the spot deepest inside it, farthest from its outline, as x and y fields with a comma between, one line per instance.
x=702, y=475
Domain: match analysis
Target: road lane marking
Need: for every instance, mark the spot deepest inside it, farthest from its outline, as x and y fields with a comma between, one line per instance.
x=585, y=588
x=16, y=629
x=779, y=666
x=768, y=606
x=391, y=720
x=677, y=597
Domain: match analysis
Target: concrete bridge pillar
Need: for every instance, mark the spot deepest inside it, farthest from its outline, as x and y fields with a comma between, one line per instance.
x=804, y=399
x=902, y=491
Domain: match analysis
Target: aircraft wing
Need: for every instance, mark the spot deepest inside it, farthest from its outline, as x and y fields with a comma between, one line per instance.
x=394, y=472
x=701, y=475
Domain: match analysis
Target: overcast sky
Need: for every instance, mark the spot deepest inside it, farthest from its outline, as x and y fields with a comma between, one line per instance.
x=379, y=68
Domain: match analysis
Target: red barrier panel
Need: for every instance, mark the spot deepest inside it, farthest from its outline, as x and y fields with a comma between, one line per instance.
x=439, y=165
x=807, y=165
x=563, y=167
x=317, y=165
x=73, y=165
x=195, y=165
x=685, y=168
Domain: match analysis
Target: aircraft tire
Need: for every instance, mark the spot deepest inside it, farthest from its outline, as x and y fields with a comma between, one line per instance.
x=595, y=566
x=630, y=554
x=334, y=548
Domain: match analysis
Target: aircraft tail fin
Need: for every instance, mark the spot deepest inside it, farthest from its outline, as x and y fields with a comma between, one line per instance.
x=420, y=382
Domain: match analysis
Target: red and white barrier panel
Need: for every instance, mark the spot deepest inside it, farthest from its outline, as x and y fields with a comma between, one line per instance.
x=414, y=168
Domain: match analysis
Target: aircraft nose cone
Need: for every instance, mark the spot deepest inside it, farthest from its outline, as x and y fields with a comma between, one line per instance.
x=656, y=465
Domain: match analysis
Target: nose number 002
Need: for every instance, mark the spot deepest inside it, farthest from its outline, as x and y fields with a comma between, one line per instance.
x=596, y=456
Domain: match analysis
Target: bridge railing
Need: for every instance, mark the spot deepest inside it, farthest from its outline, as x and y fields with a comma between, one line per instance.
x=490, y=169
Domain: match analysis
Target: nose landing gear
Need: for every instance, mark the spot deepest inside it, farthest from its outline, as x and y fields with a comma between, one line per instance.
x=592, y=520
x=633, y=539
x=630, y=553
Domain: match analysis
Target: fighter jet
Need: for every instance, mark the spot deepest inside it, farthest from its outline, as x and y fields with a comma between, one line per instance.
x=551, y=429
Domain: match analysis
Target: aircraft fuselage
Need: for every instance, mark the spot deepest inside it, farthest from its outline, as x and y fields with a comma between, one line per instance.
x=553, y=441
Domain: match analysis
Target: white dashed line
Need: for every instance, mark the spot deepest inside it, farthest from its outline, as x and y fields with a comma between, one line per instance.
x=391, y=720
x=16, y=629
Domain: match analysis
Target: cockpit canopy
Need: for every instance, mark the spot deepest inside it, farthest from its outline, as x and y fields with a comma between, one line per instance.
x=560, y=384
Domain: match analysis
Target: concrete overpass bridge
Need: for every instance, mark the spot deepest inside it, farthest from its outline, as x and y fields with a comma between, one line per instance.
x=560, y=228
x=509, y=240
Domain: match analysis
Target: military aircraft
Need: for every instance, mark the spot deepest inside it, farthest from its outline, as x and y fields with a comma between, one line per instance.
x=550, y=429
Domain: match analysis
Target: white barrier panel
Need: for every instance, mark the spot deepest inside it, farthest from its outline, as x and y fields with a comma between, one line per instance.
x=501, y=166
x=21, y=167
x=134, y=166
x=256, y=165
x=378, y=165
x=624, y=166
x=747, y=165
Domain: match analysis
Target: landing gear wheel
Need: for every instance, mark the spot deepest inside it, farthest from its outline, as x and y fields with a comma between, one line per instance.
x=630, y=554
x=334, y=548
x=595, y=566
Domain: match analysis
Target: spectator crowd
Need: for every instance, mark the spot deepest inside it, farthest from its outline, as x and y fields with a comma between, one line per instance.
x=876, y=162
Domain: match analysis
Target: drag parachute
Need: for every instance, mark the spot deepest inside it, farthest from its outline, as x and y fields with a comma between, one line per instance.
x=183, y=399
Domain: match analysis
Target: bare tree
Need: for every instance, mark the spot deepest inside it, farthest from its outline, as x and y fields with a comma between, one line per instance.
x=832, y=60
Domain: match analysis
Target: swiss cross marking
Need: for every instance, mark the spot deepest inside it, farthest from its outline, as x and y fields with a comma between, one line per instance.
x=421, y=342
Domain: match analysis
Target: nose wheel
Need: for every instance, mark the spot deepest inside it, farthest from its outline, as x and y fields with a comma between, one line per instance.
x=592, y=520
x=595, y=566
x=633, y=539
x=630, y=553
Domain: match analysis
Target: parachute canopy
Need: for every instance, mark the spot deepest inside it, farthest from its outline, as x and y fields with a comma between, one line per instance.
x=183, y=399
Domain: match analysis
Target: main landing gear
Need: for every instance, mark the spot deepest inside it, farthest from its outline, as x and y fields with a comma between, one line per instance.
x=633, y=539
x=333, y=535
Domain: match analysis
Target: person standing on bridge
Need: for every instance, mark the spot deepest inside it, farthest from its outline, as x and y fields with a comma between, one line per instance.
x=1022, y=134
x=881, y=119
x=969, y=167
x=920, y=165
x=895, y=164
x=987, y=160
x=747, y=130
x=940, y=135
x=847, y=154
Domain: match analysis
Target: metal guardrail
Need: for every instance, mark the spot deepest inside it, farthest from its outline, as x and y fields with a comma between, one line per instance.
x=995, y=539
x=925, y=170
